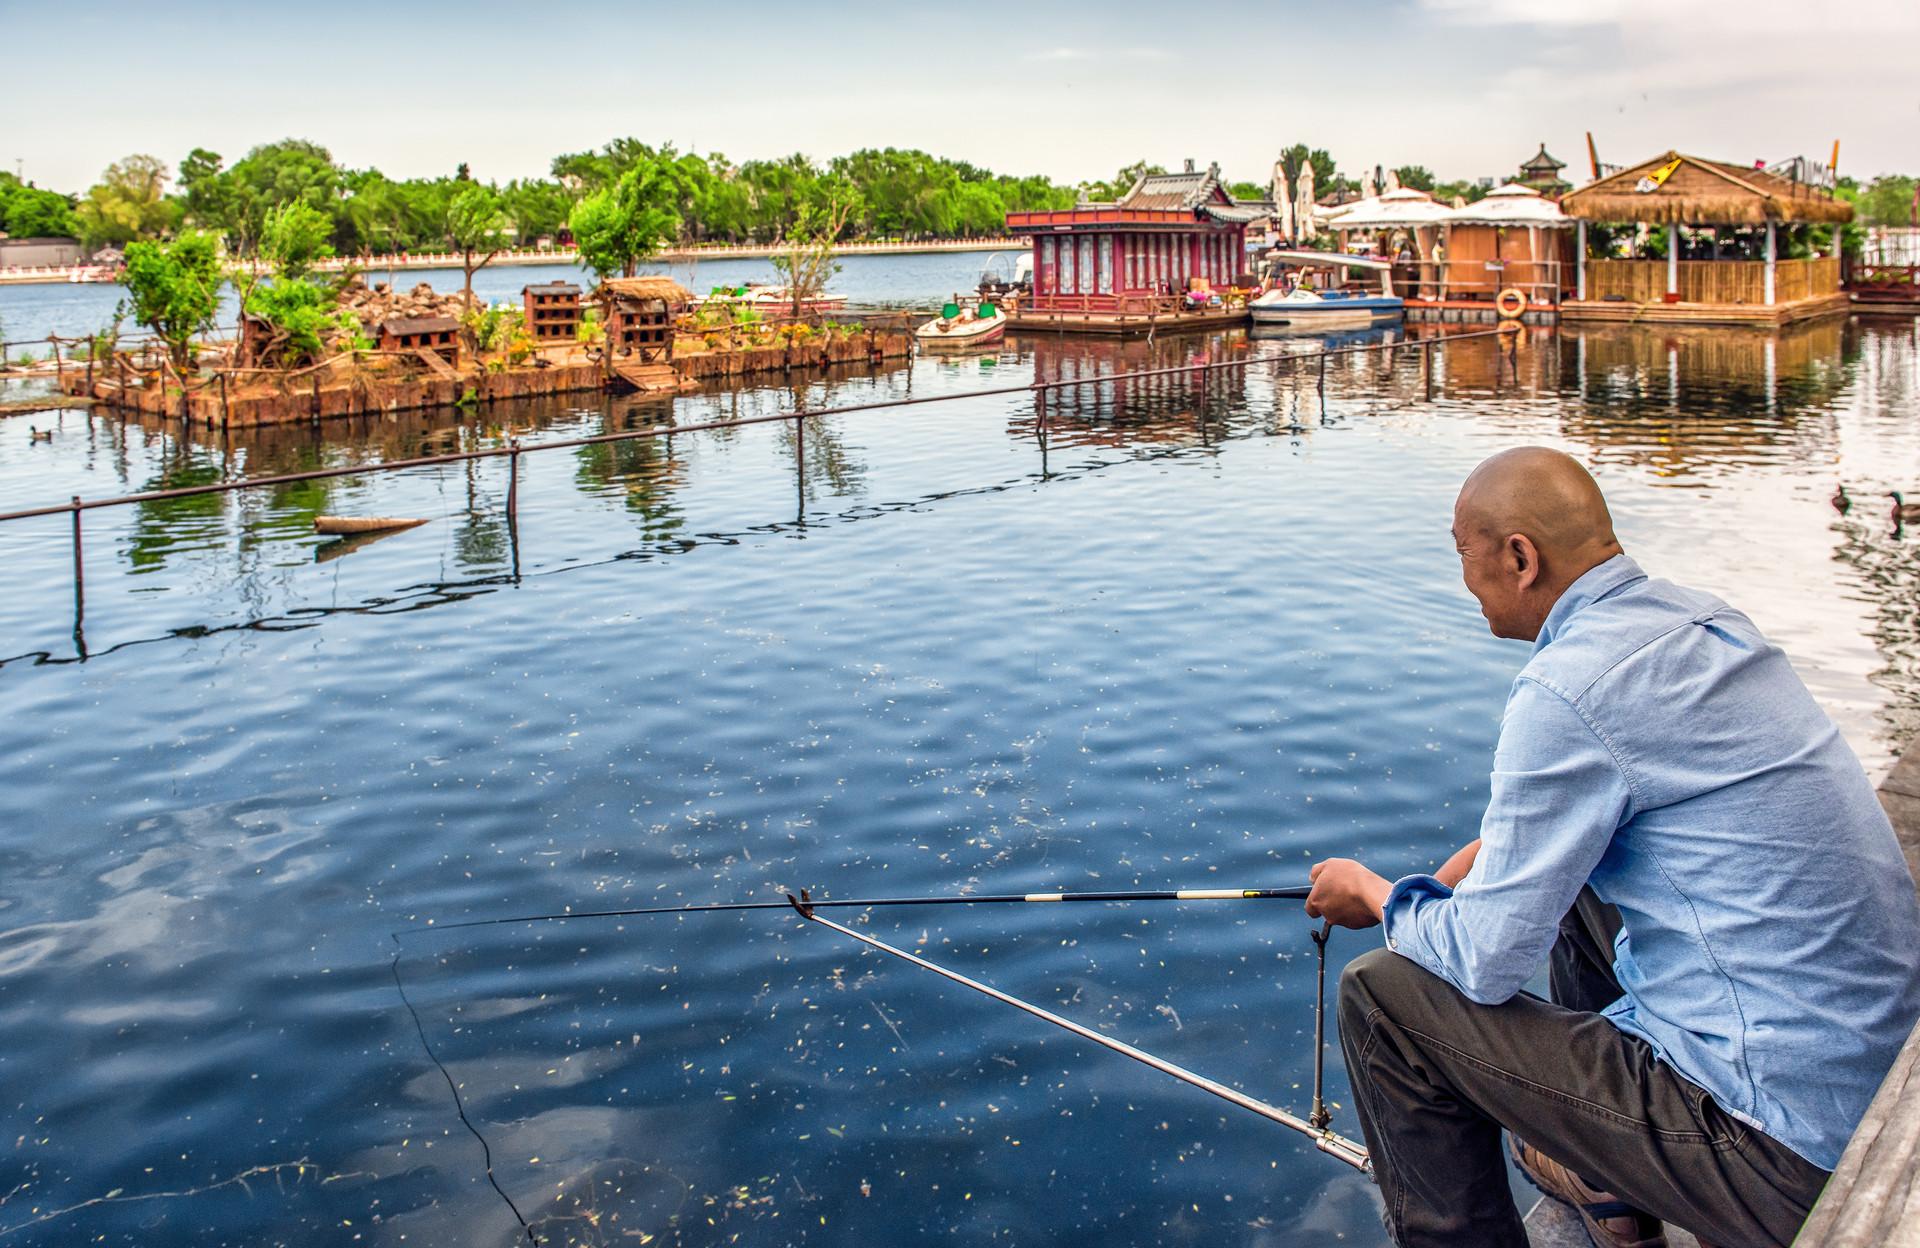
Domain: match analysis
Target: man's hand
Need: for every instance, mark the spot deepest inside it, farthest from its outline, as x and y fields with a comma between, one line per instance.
x=1347, y=893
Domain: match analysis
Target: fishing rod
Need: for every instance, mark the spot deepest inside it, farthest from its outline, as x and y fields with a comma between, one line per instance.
x=1294, y=893
x=1315, y=1127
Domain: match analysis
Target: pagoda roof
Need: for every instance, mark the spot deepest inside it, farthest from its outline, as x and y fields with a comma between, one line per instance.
x=1541, y=162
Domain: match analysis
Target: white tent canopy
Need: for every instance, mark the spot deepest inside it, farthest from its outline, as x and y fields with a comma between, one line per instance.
x=1511, y=204
x=1405, y=208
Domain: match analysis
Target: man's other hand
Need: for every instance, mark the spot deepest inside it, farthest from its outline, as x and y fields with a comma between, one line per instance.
x=1347, y=893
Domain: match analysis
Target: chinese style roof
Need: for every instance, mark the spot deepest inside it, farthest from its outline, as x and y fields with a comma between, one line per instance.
x=1542, y=165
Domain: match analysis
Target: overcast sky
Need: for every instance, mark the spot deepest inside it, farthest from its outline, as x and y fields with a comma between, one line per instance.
x=1465, y=87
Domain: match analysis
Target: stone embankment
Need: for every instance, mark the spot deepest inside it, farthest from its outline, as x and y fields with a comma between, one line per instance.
x=366, y=383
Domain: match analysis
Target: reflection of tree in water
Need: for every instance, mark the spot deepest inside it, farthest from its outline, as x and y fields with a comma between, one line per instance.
x=165, y=524
x=645, y=470
x=1887, y=559
x=480, y=540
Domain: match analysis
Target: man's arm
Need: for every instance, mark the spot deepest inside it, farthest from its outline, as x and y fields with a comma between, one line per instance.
x=1558, y=797
x=1352, y=896
x=1455, y=869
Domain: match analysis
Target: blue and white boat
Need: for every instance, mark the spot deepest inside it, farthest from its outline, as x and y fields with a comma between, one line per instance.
x=1306, y=291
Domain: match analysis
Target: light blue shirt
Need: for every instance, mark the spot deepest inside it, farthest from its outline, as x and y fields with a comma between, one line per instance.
x=1659, y=748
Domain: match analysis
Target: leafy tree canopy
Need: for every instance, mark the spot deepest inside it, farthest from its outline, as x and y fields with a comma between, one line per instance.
x=174, y=288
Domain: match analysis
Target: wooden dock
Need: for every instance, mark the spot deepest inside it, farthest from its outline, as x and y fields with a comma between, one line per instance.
x=1122, y=324
x=1628, y=312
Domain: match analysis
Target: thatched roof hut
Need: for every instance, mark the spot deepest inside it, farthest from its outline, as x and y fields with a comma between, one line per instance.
x=1702, y=192
x=647, y=286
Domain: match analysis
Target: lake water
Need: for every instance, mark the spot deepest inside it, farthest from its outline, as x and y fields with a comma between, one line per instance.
x=1203, y=634
x=28, y=313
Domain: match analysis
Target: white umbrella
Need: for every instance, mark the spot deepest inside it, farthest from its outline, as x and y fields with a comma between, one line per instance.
x=1393, y=181
x=1306, y=222
x=1282, y=202
x=1368, y=187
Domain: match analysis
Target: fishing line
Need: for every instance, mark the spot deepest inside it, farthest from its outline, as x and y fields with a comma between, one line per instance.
x=1316, y=1126
x=459, y=1106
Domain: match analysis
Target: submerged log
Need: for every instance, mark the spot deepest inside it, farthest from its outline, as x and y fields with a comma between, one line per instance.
x=362, y=524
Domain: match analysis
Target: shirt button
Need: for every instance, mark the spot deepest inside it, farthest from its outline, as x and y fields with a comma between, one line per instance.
x=1393, y=944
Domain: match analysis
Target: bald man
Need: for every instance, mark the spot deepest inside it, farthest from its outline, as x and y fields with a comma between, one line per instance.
x=1682, y=838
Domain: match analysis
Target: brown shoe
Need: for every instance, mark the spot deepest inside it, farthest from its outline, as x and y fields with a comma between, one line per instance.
x=1610, y=1222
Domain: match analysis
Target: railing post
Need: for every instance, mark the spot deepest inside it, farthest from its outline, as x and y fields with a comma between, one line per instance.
x=800, y=458
x=79, y=571
x=1426, y=368
x=513, y=480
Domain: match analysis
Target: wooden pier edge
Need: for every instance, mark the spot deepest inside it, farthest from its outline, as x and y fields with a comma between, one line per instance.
x=1873, y=1197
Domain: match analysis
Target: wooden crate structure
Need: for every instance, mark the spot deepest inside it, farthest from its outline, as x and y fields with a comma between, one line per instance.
x=640, y=316
x=552, y=311
x=438, y=334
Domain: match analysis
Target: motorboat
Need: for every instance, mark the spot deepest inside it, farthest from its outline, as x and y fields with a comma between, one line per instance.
x=959, y=326
x=1307, y=289
x=1007, y=274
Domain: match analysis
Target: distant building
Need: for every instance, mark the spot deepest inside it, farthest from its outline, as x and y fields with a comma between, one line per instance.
x=33, y=253
x=1542, y=172
x=1169, y=234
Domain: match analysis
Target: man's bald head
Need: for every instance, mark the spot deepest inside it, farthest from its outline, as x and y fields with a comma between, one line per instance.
x=1528, y=523
x=1545, y=494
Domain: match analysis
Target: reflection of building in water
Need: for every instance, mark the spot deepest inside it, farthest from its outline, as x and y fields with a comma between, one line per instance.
x=1167, y=407
x=1682, y=400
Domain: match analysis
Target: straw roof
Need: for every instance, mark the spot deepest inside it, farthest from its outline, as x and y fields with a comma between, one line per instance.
x=647, y=286
x=1703, y=192
x=1512, y=204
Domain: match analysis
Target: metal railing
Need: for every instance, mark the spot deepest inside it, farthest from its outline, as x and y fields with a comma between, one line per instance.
x=77, y=506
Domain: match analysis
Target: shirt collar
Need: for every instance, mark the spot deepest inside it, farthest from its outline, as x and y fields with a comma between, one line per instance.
x=1597, y=582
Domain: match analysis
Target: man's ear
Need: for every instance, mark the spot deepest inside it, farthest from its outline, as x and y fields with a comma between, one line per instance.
x=1525, y=559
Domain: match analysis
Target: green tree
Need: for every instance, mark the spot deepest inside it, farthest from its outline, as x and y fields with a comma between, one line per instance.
x=1326, y=176
x=174, y=289
x=128, y=203
x=279, y=173
x=1888, y=200
x=807, y=264
x=29, y=212
x=477, y=228
x=1418, y=177
x=623, y=224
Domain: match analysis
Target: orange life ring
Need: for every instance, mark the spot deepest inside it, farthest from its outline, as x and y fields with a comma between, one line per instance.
x=1511, y=304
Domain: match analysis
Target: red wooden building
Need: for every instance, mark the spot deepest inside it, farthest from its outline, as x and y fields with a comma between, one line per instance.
x=1115, y=266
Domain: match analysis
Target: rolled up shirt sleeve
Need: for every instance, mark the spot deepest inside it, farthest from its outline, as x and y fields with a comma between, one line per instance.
x=1558, y=797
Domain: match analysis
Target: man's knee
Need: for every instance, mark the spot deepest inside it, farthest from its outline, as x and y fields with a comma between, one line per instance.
x=1369, y=982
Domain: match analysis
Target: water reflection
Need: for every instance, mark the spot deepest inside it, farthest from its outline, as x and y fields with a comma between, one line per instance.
x=1183, y=630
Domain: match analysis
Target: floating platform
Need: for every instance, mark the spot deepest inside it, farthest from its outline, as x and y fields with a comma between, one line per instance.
x=344, y=389
x=1622, y=311
x=1472, y=312
x=1122, y=324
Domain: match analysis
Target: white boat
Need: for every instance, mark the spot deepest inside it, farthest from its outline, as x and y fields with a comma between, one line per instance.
x=769, y=298
x=1304, y=289
x=956, y=327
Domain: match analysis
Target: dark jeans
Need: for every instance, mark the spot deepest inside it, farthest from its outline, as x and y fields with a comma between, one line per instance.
x=1435, y=1078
